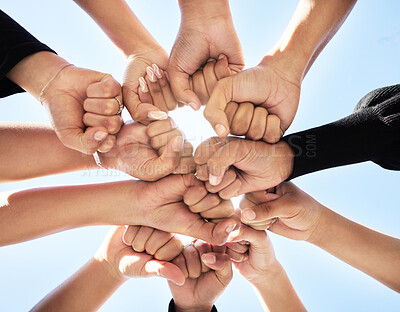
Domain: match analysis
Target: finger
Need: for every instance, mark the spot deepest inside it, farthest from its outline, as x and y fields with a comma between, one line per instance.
x=230, y=111
x=237, y=256
x=162, y=139
x=108, y=87
x=195, y=194
x=209, y=201
x=170, y=250
x=165, y=269
x=181, y=88
x=210, y=78
x=208, y=148
x=222, y=266
x=232, y=190
x=242, y=119
x=155, y=89
x=223, y=210
x=228, y=179
x=130, y=234
x=107, y=144
x=199, y=86
x=202, y=172
x=273, y=129
x=141, y=238
x=203, y=248
x=244, y=233
x=192, y=261
x=180, y=262
x=221, y=67
x=258, y=124
x=186, y=165
x=239, y=247
x=187, y=150
x=160, y=127
x=111, y=123
x=156, y=240
x=106, y=107
x=169, y=97
x=143, y=91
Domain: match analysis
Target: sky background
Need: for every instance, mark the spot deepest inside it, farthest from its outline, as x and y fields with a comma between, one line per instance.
x=364, y=55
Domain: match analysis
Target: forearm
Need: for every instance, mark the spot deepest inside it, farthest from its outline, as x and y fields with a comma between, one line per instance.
x=35, y=71
x=120, y=24
x=207, y=9
x=312, y=26
x=33, y=213
x=34, y=150
x=87, y=290
x=276, y=292
x=374, y=253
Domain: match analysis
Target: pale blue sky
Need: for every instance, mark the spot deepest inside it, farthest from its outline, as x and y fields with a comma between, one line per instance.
x=364, y=55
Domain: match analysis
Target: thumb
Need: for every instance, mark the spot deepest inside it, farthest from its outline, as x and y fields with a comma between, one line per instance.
x=221, y=264
x=165, y=269
x=215, y=108
x=181, y=88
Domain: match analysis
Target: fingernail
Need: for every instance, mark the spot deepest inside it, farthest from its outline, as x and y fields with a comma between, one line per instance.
x=177, y=144
x=213, y=179
x=230, y=228
x=159, y=115
x=210, y=60
x=100, y=135
x=143, y=85
x=249, y=214
x=209, y=259
x=221, y=56
x=157, y=71
x=150, y=73
x=220, y=130
x=193, y=105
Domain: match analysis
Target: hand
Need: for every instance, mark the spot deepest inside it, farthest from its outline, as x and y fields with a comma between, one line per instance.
x=235, y=166
x=244, y=119
x=152, y=63
x=125, y=262
x=206, y=31
x=202, y=286
x=290, y=212
x=75, y=89
x=252, y=253
x=162, y=205
x=267, y=85
x=134, y=154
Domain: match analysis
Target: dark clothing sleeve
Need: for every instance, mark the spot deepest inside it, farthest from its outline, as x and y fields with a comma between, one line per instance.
x=372, y=132
x=15, y=44
x=171, y=307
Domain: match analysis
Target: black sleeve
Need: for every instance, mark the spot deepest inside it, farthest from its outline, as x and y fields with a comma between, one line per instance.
x=372, y=132
x=171, y=307
x=15, y=44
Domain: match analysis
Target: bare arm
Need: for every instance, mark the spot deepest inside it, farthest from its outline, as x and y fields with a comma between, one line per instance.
x=34, y=150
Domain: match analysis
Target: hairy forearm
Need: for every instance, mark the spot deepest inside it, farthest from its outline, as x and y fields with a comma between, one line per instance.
x=86, y=290
x=120, y=24
x=33, y=213
x=312, y=26
x=35, y=70
x=34, y=150
x=276, y=292
x=374, y=253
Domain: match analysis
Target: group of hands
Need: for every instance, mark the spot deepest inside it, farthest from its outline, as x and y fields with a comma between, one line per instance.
x=259, y=104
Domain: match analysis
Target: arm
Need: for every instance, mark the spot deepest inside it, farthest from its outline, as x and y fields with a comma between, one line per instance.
x=113, y=264
x=296, y=215
x=255, y=260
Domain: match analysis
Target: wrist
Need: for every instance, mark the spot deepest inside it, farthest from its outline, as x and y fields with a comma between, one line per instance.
x=286, y=160
x=203, y=308
x=111, y=273
x=272, y=273
x=36, y=70
x=203, y=12
x=321, y=232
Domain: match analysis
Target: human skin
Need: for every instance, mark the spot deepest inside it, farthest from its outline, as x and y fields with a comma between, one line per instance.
x=113, y=264
x=206, y=31
x=208, y=271
x=65, y=96
x=127, y=202
x=234, y=166
x=296, y=215
x=254, y=258
x=275, y=83
x=139, y=48
x=33, y=150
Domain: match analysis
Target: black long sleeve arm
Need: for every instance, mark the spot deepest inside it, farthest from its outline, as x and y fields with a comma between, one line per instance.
x=371, y=133
x=16, y=43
